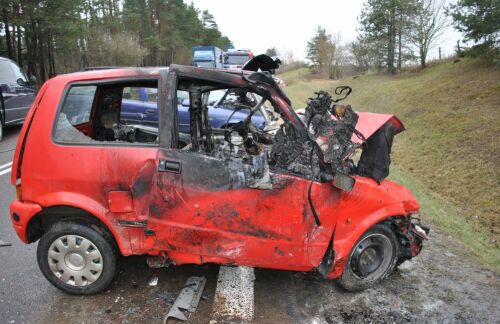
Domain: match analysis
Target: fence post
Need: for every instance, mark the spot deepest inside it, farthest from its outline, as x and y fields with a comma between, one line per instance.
x=440, y=53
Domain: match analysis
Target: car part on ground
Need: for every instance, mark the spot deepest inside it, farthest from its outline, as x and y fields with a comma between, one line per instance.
x=188, y=298
x=4, y=244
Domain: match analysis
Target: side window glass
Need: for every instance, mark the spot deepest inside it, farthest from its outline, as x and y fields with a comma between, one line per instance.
x=78, y=104
x=152, y=95
x=109, y=113
x=19, y=73
x=76, y=110
x=6, y=73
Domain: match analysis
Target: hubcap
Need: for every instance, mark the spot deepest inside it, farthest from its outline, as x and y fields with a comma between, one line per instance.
x=75, y=260
x=372, y=256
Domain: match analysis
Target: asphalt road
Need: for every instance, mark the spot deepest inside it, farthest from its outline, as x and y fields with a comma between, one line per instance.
x=443, y=285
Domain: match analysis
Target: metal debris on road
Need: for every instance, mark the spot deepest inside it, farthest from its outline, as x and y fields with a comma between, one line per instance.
x=4, y=244
x=188, y=299
x=153, y=282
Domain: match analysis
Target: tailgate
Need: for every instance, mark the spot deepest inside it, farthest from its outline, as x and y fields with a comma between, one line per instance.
x=21, y=141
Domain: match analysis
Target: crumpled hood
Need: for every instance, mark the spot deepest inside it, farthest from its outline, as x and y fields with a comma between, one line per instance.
x=369, y=123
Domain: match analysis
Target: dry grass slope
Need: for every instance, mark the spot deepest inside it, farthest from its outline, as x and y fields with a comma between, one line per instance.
x=451, y=147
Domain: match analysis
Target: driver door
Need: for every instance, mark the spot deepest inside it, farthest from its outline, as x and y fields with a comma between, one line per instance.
x=203, y=210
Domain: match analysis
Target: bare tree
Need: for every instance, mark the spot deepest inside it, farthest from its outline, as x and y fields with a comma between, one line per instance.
x=429, y=25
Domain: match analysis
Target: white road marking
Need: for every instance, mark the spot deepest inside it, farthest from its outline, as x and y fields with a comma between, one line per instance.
x=5, y=165
x=234, y=295
x=5, y=171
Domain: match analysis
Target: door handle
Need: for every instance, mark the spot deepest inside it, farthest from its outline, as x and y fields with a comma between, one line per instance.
x=170, y=166
x=150, y=111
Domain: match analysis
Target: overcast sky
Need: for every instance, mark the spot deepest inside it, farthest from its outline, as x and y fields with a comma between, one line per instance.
x=288, y=25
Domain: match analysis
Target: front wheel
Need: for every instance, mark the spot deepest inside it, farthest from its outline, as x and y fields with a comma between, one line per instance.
x=372, y=259
x=76, y=258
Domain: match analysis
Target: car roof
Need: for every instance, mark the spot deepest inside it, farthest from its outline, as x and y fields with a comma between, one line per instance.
x=93, y=73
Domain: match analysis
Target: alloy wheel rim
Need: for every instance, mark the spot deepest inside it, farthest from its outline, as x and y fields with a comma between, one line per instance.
x=75, y=260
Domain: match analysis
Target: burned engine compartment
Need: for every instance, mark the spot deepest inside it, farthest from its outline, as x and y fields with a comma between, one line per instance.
x=320, y=148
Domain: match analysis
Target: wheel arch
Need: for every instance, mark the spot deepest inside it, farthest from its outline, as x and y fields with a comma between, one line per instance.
x=346, y=238
x=48, y=216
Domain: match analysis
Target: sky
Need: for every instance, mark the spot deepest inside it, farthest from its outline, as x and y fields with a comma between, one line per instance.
x=288, y=25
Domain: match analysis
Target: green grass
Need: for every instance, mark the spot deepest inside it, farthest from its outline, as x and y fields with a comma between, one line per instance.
x=451, y=144
x=444, y=215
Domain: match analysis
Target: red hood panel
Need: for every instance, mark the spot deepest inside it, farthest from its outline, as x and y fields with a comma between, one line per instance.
x=369, y=123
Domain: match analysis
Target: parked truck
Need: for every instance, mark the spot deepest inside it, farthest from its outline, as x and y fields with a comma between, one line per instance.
x=236, y=59
x=207, y=57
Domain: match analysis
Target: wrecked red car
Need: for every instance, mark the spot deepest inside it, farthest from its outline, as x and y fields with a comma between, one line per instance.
x=91, y=187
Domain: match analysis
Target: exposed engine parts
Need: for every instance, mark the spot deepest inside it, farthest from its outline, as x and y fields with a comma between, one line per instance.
x=323, y=153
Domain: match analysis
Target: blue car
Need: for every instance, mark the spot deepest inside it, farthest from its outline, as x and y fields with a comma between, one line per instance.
x=143, y=109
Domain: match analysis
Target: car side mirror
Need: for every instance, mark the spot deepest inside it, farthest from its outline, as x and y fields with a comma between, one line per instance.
x=21, y=82
x=343, y=181
x=33, y=80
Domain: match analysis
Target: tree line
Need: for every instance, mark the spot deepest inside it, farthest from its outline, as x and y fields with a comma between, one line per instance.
x=392, y=32
x=48, y=37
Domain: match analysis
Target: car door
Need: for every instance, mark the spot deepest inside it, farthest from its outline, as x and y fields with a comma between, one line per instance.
x=204, y=211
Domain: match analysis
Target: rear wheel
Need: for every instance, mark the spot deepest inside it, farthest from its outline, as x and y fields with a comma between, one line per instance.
x=372, y=259
x=76, y=258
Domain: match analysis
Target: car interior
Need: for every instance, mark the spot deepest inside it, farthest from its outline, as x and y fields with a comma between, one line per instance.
x=96, y=114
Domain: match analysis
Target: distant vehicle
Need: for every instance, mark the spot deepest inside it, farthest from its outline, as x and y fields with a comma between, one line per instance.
x=236, y=59
x=207, y=57
x=17, y=93
x=140, y=106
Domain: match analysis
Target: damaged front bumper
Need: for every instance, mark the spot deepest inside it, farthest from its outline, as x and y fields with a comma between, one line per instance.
x=411, y=234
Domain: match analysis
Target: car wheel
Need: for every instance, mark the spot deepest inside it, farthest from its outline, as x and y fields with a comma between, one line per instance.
x=78, y=259
x=372, y=259
x=1, y=129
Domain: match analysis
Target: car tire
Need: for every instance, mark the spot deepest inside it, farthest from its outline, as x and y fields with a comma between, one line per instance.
x=79, y=259
x=372, y=259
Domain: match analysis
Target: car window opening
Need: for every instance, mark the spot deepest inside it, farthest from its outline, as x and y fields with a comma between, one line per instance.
x=235, y=125
x=121, y=113
x=248, y=145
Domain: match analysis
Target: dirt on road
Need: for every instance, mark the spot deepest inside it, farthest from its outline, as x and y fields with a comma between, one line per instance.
x=442, y=285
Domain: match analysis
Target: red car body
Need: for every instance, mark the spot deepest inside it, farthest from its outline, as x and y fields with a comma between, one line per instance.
x=192, y=214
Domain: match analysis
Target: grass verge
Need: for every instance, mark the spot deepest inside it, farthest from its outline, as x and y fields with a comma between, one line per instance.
x=451, y=111
x=445, y=216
